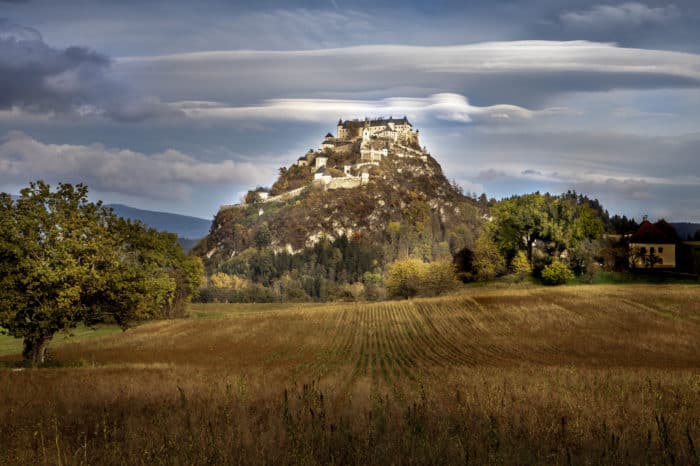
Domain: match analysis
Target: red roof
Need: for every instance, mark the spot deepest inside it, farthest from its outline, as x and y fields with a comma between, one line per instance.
x=659, y=233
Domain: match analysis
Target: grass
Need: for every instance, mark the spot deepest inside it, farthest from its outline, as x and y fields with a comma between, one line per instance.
x=602, y=374
x=10, y=345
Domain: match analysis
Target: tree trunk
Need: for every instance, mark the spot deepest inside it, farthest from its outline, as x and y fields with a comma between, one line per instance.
x=35, y=350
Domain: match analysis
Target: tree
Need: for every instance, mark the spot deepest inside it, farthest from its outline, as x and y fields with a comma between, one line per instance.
x=520, y=221
x=65, y=261
x=559, y=222
x=464, y=265
x=263, y=237
x=488, y=262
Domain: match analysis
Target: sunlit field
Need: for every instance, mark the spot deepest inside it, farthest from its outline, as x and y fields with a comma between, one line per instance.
x=589, y=374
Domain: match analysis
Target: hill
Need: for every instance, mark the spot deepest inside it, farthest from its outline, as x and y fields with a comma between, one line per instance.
x=686, y=229
x=373, y=187
x=184, y=226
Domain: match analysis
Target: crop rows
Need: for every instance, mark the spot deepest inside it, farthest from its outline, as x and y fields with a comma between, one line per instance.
x=403, y=339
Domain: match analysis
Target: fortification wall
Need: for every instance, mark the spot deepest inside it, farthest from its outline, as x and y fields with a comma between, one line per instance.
x=344, y=183
x=285, y=196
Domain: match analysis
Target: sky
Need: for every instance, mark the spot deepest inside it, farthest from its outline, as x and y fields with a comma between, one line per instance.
x=183, y=106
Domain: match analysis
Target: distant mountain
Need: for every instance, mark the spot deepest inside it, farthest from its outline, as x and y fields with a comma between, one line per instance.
x=186, y=227
x=685, y=229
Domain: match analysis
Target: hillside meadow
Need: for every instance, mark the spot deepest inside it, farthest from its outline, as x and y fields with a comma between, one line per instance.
x=603, y=374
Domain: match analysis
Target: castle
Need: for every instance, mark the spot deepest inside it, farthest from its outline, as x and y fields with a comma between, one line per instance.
x=390, y=128
x=377, y=139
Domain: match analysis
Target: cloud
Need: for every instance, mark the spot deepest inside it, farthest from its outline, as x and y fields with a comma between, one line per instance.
x=630, y=14
x=170, y=174
x=444, y=106
x=523, y=73
x=37, y=78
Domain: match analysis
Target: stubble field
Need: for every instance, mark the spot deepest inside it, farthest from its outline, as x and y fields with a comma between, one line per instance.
x=589, y=374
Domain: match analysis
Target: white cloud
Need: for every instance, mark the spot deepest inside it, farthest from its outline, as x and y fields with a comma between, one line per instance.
x=165, y=175
x=523, y=73
x=630, y=14
x=444, y=106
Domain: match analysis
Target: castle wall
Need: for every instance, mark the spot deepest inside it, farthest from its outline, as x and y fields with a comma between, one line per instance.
x=344, y=183
x=285, y=196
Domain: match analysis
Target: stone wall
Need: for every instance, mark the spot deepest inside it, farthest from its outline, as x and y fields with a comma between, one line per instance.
x=344, y=183
x=285, y=196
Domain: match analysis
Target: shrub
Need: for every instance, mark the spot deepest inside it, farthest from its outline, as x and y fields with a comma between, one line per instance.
x=352, y=291
x=403, y=278
x=437, y=278
x=556, y=273
x=520, y=264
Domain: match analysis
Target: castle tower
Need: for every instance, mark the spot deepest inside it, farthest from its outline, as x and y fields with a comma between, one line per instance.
x=365, y=134
x=341, y=130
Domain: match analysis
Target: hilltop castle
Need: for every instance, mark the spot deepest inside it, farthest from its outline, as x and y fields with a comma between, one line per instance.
x=344, y=161
x=391, y=129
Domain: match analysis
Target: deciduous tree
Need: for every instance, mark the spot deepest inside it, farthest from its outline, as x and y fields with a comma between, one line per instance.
x=66, y=261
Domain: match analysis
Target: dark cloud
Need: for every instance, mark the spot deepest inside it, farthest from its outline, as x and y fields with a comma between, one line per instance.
x=35, y=77
x=38, y=77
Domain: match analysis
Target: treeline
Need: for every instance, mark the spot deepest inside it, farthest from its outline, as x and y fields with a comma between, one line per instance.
x=553, y=237
x=340, y=269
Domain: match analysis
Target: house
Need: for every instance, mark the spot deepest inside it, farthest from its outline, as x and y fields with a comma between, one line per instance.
x=653, y=246
x=322, y=176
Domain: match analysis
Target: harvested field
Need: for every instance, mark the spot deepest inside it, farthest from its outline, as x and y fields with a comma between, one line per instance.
x=589, y=374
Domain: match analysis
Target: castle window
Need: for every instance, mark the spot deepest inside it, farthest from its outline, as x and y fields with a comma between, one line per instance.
x=661, y=249
x=651, y=250
x=642, y=250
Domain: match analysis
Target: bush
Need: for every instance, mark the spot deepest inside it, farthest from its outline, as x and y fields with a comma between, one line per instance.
x=437, y=278
x=403, y=278
x=352, y=291
x=254, y=293
x=556, y=273
x=409, y=277
x=520, y=264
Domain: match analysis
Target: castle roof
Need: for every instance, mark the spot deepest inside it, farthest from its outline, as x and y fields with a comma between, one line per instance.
x=329, y=136
x=374, y=122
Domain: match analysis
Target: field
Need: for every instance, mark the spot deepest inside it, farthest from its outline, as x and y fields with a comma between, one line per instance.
x=572, y=375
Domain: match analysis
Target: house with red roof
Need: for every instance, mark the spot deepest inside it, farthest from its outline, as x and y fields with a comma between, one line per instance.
x=653, y=246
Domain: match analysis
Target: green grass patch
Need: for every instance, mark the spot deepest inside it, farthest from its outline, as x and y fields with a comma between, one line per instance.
x=11, y=345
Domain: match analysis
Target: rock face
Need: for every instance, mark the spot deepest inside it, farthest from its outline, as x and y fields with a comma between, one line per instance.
x=355, y=192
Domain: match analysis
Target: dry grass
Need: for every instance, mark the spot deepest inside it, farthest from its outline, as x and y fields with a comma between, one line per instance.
x=602, y=374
